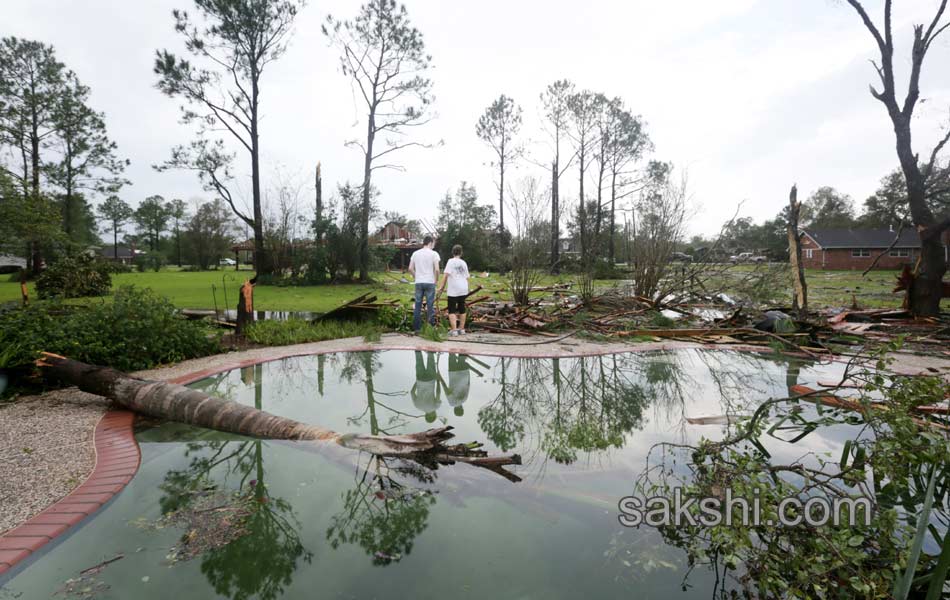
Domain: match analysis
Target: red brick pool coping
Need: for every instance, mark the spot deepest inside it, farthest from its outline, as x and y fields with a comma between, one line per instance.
x=118, y=455
x=117, y=460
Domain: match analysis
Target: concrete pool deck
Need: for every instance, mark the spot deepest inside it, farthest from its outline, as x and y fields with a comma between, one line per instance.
x=116, y=454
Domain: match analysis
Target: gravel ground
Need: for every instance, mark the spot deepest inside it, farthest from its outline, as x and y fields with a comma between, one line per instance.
x=46, y=441
x=46, y=450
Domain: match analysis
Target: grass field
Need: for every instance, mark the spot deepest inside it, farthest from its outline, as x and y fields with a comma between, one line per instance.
x=194, y=290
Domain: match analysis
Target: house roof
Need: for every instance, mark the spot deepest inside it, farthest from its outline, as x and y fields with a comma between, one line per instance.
x=8, y=260
x=864, y=238
x=124, y=252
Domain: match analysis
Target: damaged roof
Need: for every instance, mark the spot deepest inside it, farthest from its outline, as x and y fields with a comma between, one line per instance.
x=864, y=238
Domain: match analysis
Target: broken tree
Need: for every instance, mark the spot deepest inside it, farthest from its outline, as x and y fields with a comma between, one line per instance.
x=800, y=287
x=174, y=402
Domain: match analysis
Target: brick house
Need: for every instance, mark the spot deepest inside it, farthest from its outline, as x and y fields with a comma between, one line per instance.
x=853, y=249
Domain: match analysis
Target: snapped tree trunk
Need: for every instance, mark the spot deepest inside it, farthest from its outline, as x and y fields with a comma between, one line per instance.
x=318, y=184
x=245, y=307
x=24, y=293
x=800, y=286
x=174, y=402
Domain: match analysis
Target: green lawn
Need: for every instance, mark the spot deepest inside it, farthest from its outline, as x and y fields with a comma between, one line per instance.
x=194, y=290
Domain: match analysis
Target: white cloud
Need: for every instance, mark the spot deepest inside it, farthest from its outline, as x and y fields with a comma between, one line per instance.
x=749, y=95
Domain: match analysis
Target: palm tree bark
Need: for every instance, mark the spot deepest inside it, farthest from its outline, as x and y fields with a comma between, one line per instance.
x=174, y=402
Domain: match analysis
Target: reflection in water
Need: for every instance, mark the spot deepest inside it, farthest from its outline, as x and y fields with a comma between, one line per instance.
x=582, y=426
x=382, y=514
x=261, y=561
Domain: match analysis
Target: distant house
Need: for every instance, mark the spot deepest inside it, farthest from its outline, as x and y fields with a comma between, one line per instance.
x=402, y=239
x=844, y=249
x=244, y=251
x=11, y=264
x=125, y=255
x=568, y=246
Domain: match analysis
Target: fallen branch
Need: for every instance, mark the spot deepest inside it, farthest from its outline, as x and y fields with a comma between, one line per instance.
x=843, y=403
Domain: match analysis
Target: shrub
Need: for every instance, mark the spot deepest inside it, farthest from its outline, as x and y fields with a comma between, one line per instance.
x=299, y=331
x=137, y=330
x=658, y=319
x=149, y=262
x=395, y=318
x=114, y=267
x=74, y=277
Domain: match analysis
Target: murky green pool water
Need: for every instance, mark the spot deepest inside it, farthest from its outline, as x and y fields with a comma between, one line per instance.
x=318, y=522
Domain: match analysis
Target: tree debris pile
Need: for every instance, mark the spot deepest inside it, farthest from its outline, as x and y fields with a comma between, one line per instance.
x=210, y=519
x=364, y=306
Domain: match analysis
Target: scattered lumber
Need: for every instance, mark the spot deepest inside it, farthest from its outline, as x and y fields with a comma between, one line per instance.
x=361, y=307
x=833, y=401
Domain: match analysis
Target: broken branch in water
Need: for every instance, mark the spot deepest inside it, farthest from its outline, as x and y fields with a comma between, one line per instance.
x=185, y=405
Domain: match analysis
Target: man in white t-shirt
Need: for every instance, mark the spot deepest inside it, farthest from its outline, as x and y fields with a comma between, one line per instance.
x=424, y=266
x=456, y=279
x=425, y=392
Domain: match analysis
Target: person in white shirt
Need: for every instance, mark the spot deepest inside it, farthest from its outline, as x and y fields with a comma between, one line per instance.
x=456, y=279
x=424, y=266
x=425, y=392
x=459, y=379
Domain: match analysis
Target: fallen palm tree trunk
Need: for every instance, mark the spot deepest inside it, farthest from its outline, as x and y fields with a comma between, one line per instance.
x=174, y=402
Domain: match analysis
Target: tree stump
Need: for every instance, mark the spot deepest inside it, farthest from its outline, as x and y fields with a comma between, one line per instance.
x=245, y=307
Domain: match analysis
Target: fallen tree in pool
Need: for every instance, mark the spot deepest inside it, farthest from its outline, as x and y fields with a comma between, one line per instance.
x=175, y=402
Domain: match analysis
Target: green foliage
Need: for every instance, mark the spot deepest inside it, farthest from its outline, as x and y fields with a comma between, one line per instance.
x=436, y=333
x=152, y=217
x=827, y=208
x=75, y=277
x=889, y=459
x=153, y=261
x=116, y=212
x=462, y=220
x=136, y=330
x=337, y=257
x=7, y=355
x=658, y=319
x=299, y=331
x=395, y=318
x=207, y=238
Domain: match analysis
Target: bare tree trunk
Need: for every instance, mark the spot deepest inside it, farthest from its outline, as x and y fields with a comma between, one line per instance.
x=318, y=184
x=262, y=262
x=582, y=212
x=555, y=220
x=185, y=405
x=501, y=196
x=925, y=289
x=613, y=217
x=600, y=205
x=800, y=286
x=364, y=213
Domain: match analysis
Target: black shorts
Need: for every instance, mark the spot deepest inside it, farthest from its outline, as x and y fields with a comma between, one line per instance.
x=456, y=305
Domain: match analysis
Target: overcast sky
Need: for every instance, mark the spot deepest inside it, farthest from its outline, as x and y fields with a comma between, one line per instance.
x=749, y=96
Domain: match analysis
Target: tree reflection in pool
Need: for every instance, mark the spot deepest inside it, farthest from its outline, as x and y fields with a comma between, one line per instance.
x=327, y=522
